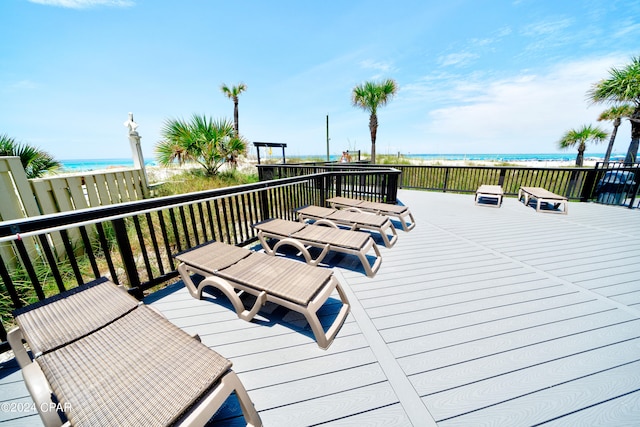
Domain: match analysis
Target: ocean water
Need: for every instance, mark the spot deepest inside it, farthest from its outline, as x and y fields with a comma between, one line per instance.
x=80, y=165
x=544, y=157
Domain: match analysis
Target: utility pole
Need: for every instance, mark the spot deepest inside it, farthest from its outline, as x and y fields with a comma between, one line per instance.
x=327, y=137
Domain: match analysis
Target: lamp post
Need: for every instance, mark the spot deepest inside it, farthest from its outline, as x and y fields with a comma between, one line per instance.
x=136, y=150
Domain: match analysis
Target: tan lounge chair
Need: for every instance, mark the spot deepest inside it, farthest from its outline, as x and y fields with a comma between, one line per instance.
x=541, y=196
x=285, y=282
x=136, y=368
x=403, y=213
x=327, y=238
x=353, y=220
x=489, y=192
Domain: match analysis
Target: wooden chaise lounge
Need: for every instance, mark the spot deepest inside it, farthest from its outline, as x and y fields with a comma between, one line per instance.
x=352, y=220
x=326, y=237
x=542, y=195
x=403, y=213
x=106, y=359
x=288, y=283
x=489, y=192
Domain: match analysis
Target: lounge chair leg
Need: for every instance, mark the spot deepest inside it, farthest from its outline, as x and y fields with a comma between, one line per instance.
x=212, y=402
x=325, y=339
x=371, y=270
x=195, y=292
x=409, y=226
x=230, y=292
x=248, y=410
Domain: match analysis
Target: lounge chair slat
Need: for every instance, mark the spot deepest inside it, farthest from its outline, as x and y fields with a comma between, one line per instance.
x=289, y=280
x=82, y=311
x=225, y=255
x=149, y=387
x=333, y=236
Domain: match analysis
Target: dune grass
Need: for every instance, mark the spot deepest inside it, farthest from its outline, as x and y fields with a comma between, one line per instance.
x=194, y=180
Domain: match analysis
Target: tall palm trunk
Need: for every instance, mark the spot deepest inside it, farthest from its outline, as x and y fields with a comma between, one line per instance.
x=632, y=152
x=607, y=155
x=235, y=116
x=373, y=128
x=580, y=156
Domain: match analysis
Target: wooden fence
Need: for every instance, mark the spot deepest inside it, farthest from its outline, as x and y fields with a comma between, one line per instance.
x=23, y=198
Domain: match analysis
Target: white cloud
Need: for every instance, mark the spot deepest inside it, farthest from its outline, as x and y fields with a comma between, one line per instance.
x=547, y=28
x=457, y=59
x=626, y=29
x=523, y=113
x=377, y=66
x=83, y=4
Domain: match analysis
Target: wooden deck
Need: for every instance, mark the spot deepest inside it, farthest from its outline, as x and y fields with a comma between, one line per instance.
x=477, y=317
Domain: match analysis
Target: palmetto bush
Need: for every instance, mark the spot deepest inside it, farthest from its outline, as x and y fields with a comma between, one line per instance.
x=202, y=140
x=36, y=162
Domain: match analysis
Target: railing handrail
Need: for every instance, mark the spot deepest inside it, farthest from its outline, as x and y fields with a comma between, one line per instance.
x=57, y=221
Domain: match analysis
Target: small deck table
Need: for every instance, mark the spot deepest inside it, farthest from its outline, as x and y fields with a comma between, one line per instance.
x=489, y=192
x=542, y=195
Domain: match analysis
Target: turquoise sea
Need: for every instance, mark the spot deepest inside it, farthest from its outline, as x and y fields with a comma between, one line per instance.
x=559, y=157
x=79, y=165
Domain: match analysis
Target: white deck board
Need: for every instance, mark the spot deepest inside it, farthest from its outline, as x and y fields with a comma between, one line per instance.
x=476, y=317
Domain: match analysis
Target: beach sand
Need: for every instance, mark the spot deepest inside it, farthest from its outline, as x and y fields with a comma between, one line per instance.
x=159, y=174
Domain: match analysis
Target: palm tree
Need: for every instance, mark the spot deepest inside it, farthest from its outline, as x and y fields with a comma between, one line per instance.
x=36, y=162
x=615, y=114
x=208, y=142
x=623, y=86
x=580, y=138
x=369, y=96
x=232, y=93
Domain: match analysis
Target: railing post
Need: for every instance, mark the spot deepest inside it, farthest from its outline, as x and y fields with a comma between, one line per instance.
x=128, y=260
x=264, y=205
x=589, y=183
x=503, y=173
x=446, y=179
x=572, y=183
x=392, y=187
x=322, y=187
x=635, y=188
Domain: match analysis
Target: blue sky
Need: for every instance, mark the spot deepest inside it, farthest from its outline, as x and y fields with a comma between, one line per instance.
x=474, y=76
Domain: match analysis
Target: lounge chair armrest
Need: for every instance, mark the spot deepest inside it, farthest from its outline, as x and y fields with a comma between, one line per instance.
x=230, y=292
x=303, y=250
x=40, y=391
x=326, y=222
x=354, y=209
x=14, y=337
